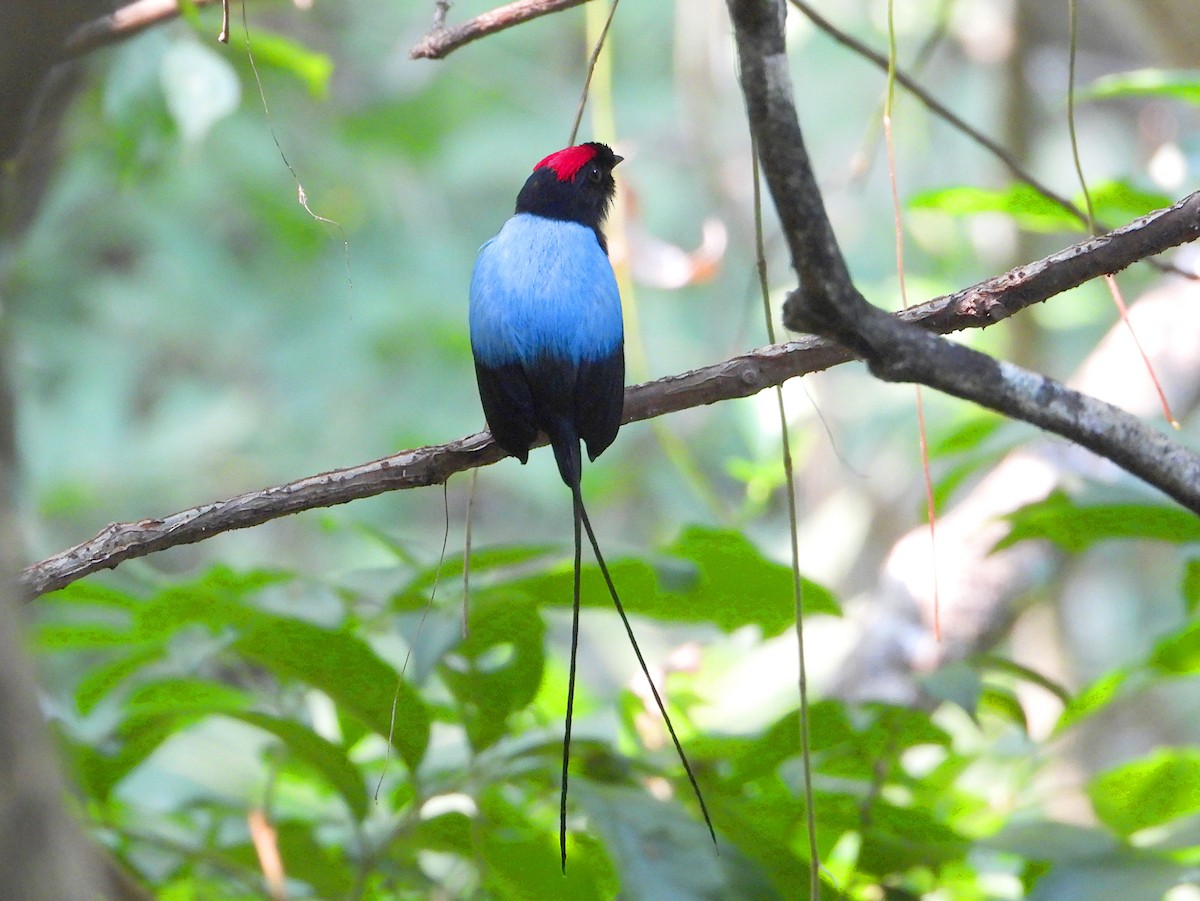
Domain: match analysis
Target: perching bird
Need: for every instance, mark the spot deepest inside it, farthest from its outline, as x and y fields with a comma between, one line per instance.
x=547, y=338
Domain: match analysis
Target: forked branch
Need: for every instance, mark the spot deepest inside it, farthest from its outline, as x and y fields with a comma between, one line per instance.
x=827, y=303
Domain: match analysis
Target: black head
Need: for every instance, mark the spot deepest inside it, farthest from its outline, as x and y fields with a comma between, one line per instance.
x=575, y=184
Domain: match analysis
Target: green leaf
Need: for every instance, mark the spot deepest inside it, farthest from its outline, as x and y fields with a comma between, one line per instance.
x=497, y=669
x=766, y=825
x=218, y=599
x=1031, y=210
x=1113, y=201
x=661, y=852
x=1178, y=654
x=181, y=697
x=157, y=711
x=738, y=585
x=1148, y=792
x=967, y=434
x=900, y=838
x=725, y=581
x=101, y=771
x=313, y=69
x=415, y=595
x=1177, y=84
x=1190, y=587
x=1095, y=697
x=304, y=858
x=101, y=680
x=445, y=832
x=91, y=593
x=79, y=636
x=1075, y=528
x=1118, y=201
x=1003, y=703
x=345, y=668
x=323, y=756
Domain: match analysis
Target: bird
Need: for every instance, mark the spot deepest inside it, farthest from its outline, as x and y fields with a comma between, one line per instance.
x=547, y=338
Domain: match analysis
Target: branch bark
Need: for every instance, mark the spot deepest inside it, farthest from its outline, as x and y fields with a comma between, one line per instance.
x=978, y=306
x=123, y=22
x=827, y=304
x=441, y=41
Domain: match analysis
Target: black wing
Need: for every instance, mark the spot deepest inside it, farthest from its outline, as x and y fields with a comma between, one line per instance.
x=508, y=407
x=600, y=401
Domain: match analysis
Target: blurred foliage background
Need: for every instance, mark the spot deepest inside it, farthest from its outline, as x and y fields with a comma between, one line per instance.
x=178, y=328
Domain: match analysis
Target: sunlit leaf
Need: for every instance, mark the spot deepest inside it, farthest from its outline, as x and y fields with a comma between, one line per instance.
x=79, y=636
x=724, y=580
x=497, y=668
x=738, y=585
x=1094, y=697
x=1075, y=528
x=88, y=592
x=1003, y=703
x=1178, y=654
x=1148, y=792
x=1190, y=587
x=345, y=668
x=218, y=599
x=180, y=697
x=967, y=434
x=323, y=756
x=1177, y=84
x=1030, y=209
x=98, y=682
x=902, y=837
x=312, y=68
x=1112, y=201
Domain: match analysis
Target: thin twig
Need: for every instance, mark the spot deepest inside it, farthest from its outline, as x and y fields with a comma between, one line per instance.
x=943, y=112
x=789, y=478
x=587, y=81
x=740, y=376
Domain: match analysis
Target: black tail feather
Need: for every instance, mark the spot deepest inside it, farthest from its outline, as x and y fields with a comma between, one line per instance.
x=581, y=518
x=562, y=802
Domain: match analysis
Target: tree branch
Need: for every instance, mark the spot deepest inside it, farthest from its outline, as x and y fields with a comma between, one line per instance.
x=978, y=306
x=122, y=23
x=893, y=349
x=441, y=42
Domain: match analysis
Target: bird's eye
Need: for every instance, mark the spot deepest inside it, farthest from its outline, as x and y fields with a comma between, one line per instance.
x=594, y=173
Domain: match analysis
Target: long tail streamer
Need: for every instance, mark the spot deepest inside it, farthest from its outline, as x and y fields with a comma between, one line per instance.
x=581, y=518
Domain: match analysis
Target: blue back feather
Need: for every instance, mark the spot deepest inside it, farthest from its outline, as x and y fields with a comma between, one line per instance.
x=543, y=288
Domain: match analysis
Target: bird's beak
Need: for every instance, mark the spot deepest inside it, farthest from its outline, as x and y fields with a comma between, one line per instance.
x=617, y=159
